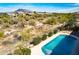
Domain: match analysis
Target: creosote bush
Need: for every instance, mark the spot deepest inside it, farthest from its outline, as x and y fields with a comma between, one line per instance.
x=22, y=51
x=32, y=22
x=36, y=40
x=50, y=34
x=55, y=31
x=25, y=34
x=1, y=34
x=44, y=36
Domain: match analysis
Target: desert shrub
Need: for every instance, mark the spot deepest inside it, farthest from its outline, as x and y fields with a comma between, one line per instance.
x=6, y=25
x=22, y=51
x=36, y=40
x=31, y=22
x=5, y=17
x=1, y=34
x=44, y=36
x=50, y=34
x=25, y=34
x=1, y=21
x=6, y=42
x=51, y=21
x=13, y=21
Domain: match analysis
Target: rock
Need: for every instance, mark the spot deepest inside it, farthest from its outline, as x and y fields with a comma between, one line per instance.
x=16, y=38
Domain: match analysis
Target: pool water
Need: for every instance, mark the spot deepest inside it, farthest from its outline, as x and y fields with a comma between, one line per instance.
x=62, y=45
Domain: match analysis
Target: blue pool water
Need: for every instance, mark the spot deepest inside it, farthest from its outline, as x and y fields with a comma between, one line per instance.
x=62, y=45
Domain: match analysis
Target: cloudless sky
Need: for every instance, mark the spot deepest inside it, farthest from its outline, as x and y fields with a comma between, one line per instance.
x=49, y=7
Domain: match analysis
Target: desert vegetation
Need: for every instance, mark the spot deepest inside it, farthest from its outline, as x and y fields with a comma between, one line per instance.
x=22, y=51
x=32, y=28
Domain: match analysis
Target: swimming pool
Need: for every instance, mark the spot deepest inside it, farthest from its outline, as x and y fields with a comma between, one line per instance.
x=62, y=45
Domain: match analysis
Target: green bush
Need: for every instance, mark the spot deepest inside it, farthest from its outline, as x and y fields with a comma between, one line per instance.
x=44, y=36
x=36, y=40
x=1, y=34
x=22, y=51
x=50, y=34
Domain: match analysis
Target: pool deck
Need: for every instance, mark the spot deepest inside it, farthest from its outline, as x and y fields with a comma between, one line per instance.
x=36, y=50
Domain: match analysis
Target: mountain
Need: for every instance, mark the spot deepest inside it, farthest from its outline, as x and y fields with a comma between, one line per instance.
x=23, y=10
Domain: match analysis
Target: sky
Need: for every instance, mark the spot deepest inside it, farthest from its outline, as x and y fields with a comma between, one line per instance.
x=40, y=7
